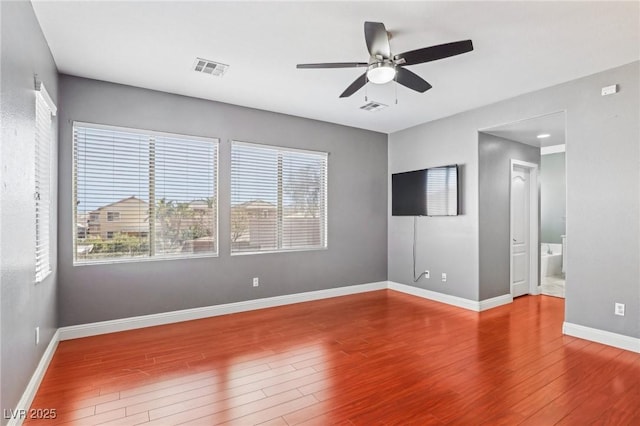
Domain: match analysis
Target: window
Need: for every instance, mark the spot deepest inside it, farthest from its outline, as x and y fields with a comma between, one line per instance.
x=278, y=199
x=45, y=109
x=146, y=194
x=113, y=216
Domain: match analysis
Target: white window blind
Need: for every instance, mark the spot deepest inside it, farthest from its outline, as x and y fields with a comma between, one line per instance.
x=278, y=199
x=43, y=141
x=141, y=194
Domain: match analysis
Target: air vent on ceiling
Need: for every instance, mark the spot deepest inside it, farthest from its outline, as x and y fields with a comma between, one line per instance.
x=373, y=106
x=206, y=66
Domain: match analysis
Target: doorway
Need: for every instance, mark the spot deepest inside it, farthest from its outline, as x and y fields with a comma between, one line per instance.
x=553, y=217
x=523, y=233
x=526, y=141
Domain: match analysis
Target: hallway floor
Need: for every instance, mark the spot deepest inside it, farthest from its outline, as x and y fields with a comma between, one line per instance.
x=553, y=286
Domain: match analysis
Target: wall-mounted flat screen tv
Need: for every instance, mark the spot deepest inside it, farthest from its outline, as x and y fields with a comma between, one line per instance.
x=426, y=192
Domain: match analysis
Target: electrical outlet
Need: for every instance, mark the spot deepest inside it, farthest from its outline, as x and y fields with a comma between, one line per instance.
x=256, y=281
x=37, y=336
x=444, y=277
x=619, y=309
x=426, y=274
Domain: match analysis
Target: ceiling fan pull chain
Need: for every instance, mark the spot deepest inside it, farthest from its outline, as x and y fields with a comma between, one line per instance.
x=395, y=86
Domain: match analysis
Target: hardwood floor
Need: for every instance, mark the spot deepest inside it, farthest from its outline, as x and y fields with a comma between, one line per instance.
x=375, y=358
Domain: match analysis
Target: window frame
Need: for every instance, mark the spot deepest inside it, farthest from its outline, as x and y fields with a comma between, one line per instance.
x=150, y=233
x=279, y=216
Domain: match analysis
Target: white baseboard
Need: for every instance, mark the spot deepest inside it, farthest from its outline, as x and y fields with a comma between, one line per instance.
x=600, y=336
x=460, y=302
x=494, y=302
x=33, y=385
x=104, y=327
x=131, y=323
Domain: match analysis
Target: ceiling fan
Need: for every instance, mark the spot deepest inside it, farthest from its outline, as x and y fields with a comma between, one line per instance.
x=384, y=67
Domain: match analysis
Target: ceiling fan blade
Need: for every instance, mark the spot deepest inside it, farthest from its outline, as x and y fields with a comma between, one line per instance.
x=411, y=80
x=333, y=65
x=355, y=86
x=375, y=34
x=433, y=53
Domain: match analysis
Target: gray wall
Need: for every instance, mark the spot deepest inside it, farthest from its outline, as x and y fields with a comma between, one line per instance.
x=553, y=198
x=446, y=243
x=357, y=235
x=24, y=305
x=602, y=169
x=494, y=175
x=603, y=155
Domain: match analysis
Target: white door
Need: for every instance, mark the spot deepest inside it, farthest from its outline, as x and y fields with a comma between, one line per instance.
x=520, y=230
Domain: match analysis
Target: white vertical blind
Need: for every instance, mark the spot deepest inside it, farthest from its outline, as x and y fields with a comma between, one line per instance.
x=141, y=194
x=278, y=199
x=42, y=195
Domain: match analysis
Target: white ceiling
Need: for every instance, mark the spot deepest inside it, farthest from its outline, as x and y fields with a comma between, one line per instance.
x=519, y=47
x=527, y=131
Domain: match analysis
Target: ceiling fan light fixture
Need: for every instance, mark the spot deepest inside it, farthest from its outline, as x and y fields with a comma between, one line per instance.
x=381, y=72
